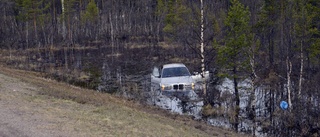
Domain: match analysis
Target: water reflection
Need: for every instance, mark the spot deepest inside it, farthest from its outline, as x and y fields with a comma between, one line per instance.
x=190, y=105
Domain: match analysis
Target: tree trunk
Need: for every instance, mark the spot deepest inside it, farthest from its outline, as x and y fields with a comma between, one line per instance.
x=63, y=20
x=202, y=52
x=27, y=34
x=66, y=58
x=252, y=94
x=289, y=70
x=54, y=23
x=27, y=46
x=301, y=71
x=35, y=29
x=69, y=30
x=112, y=35
x=237, y=99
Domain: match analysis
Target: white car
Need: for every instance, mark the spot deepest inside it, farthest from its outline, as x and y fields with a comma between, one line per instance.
x=172, y=79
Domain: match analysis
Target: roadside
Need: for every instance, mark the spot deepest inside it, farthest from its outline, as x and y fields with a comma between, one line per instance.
x=33, y=106
x=24, y=113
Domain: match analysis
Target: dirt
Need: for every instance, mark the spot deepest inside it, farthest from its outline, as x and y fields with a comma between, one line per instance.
x=26, y=110
x=24, y=113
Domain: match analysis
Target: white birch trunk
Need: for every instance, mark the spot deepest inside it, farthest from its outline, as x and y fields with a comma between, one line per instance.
x=63, y=20
x=112, y=35
x=202, y=51
x=301, y=71
x=289, y=70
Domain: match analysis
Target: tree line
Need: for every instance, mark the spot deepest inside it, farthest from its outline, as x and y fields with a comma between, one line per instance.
x=273, y=43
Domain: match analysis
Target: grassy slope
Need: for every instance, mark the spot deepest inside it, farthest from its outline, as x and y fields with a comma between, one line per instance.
x=97, y=114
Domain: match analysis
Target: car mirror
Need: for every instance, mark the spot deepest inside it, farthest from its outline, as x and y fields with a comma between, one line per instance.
x=156, y=72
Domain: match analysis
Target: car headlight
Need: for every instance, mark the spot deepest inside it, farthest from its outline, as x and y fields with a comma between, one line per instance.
x=166, y=87
x=192, y=86
x=189, y=86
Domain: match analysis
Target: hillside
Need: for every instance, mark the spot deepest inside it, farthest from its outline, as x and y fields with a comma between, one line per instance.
x=34, y=106
x=111, y=46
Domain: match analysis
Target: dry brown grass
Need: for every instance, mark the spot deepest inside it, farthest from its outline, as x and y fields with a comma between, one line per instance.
x=98, y=114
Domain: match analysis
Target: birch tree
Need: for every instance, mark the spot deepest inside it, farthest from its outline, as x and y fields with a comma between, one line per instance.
x=67, y=17
x=202, y=50
x=63, y=22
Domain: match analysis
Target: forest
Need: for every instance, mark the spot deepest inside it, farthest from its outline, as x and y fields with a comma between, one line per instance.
x=112, y=45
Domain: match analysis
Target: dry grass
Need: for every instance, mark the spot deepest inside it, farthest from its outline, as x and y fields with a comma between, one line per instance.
x=136, y=46
x=90, y=113
x=167, y=46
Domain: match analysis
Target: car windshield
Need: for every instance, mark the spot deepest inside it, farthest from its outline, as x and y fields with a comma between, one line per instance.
x=175, y=72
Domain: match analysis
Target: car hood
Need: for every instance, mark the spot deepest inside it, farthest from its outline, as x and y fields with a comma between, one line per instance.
x=177, y=80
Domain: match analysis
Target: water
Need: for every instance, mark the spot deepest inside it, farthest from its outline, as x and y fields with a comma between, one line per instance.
x=191, y=106
x=194, y=105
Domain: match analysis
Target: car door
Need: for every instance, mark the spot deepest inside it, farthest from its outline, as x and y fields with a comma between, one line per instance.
x=155, y=76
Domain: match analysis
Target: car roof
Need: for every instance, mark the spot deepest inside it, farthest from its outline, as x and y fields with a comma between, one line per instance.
x=173, y=65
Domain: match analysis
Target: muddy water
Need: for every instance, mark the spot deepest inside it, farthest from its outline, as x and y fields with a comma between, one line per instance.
x=192, y=105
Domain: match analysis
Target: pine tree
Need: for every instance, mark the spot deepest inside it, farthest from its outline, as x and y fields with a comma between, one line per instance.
x=92, y=12
x=90, y=19
x=313, y=9
x=176, y=16
x=234, y=54
x=33, y=10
